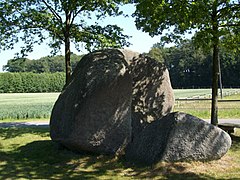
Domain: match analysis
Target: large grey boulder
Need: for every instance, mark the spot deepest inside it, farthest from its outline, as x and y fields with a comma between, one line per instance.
x=93, y=112
x=178, y=137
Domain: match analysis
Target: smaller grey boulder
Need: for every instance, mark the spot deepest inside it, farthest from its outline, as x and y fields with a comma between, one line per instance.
x=178, y=137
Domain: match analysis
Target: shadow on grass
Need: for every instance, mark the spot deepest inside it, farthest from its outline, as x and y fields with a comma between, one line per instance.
x=235, y=143
x=12, y=132
x=43, y=160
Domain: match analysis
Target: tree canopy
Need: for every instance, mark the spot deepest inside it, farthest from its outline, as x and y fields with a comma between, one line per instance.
x=211, y=20
x=174, y=19
x=62, y=22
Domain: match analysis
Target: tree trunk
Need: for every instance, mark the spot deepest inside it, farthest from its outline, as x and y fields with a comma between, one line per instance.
x=220, y=78
x=215, y=67
x=215, y=75
x=67, y=47
x=67, y=60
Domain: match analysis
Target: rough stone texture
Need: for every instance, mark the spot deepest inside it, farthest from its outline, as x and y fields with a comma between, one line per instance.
x=178, y=137
x=129, y=55
x=118, y=98
x=93, y=113
x=153, y=95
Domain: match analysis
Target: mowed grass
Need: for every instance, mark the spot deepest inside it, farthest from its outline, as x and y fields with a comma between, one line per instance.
x=28, y=153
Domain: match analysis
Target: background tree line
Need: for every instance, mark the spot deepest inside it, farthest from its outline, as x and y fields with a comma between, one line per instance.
x=191, y=67
x=48, y=64
x=29, y=82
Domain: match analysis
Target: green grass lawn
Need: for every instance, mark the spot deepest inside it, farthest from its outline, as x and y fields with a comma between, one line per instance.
x=28, y=153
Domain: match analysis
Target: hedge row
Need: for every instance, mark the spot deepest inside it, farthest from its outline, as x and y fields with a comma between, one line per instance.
x=31, y=82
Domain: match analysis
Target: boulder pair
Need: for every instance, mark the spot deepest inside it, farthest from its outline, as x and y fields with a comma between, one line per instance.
x=120, y=101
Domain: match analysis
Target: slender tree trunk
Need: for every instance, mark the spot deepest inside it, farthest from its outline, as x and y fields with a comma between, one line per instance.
x=215, y=75
x=67, y=60
x=67, y=47
x=215, y=67
x=220, y=78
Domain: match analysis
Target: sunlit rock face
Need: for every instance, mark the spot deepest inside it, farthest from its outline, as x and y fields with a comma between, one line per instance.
x=93, y=112
x=178, y=137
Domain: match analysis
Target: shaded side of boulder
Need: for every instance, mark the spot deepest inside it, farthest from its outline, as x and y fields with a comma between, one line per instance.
x=152, y=91
x=93, y=113
x=153, y=95
x=178, y=137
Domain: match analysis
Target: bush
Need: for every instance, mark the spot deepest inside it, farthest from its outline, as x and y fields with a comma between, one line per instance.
x=31, y=82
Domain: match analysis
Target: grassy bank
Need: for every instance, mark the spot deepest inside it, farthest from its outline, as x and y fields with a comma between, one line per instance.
x=28, y=153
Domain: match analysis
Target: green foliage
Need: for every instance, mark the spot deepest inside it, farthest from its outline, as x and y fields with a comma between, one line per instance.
x=156, y=53
x=62, y=22
x=181, y=17
x=34, y=21
x=46, y=64
x=31, y=82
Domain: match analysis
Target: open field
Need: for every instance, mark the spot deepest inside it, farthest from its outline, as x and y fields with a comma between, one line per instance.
x=28, y=153
x=228, y=107
x=26, y=105
x=201, y=93
x=39, y=105
x=202, y=109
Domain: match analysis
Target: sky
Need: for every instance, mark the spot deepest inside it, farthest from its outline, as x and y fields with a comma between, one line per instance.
x=141, y=42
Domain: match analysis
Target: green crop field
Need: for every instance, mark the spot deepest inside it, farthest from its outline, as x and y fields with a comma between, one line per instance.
x=201, y=93
x=39, y=105
x=26, y=105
